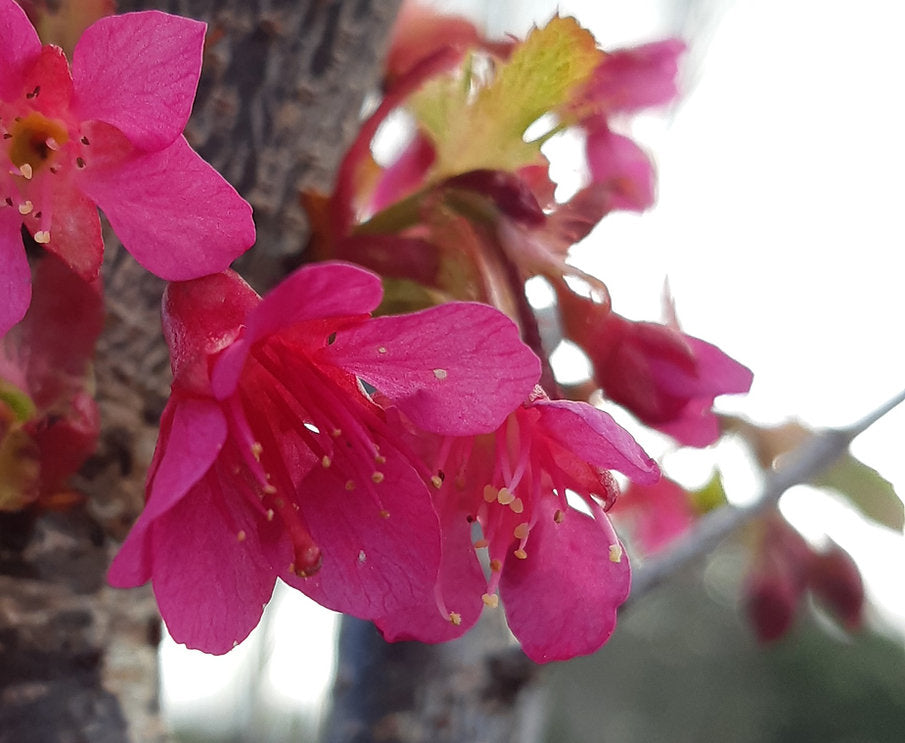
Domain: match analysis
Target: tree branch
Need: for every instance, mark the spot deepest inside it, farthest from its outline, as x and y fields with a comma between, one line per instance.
x=804, y=464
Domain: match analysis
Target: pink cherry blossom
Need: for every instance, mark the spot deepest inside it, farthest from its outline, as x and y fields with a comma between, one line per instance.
x=107, y=133
x=658, y=512
x=273, y=461
x=666, y=378
x=561, y=573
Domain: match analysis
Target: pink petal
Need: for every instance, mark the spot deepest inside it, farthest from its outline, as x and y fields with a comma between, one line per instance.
x=458, y=369
x=19, y=48
x=461, y=583
x=192, y=431
x=15, y=275
x=619, y=163
x=659, y=512
x=593, y=436
x=695, y=425
x=373, y=566
x=75, y=230
x=719, y=372
x=177, y=216
x=314, y=292
x=561, y=600
x=139, y=72
x=211, y=585
x=201, y=318
x=639, y=77
x=50, y=72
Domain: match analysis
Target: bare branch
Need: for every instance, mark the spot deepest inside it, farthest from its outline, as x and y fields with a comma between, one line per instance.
x=803, y=465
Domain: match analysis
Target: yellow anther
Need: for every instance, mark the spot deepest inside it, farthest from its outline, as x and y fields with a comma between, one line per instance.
x=326, y=461
x=558, y=516
x=336, y=433
x=437, y=481
x=490, y=493
x=25, y=208
x=362, y=557
x=491, y=600
x=382, y=349
x=377, y=477
x=520, y=554
x=615, y=553
x=504, y=497
x=496, y=565
x=42, y=237
x=384, y=514
x=481, y=543
x=455, y=618
x=51, y=144
x=521, y=531
x=269, y=489
x=25, y=170
x=269, y=514
x=241, y=535
x=440, y=373
x=256, y=450
x=380, y=459
x=350, y=485
x=517, y=505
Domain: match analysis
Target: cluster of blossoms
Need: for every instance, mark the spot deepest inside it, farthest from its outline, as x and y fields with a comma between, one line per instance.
x=409, y=469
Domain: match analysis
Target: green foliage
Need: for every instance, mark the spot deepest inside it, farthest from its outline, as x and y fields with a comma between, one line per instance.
x=479, y=123
x=866, y=489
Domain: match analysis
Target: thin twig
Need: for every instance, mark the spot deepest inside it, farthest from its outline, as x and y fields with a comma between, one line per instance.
x=804, y=464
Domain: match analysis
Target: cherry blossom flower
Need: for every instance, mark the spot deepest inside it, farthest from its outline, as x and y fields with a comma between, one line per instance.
x=666, y=378
x=273, y=461
x=659, y=512
x=108, y=133
x=560, y=572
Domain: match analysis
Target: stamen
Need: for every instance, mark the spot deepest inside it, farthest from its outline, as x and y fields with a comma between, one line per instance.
x=558, y=516
x=521, y=554
x=25, y=170
x=521, y=531
x=455, y=618
x=377, y=477
x=440, y=373
x=25, y=208
x=517, y=506
x=481, y=543
x=241, y=535
x=505, y=497
x=256, y=450
x=616, y=553
x=490, y=493
x=326, y=461
x=42, y=237
x=491, y=600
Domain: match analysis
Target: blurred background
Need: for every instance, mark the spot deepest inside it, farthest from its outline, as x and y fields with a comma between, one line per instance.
x=778, y=227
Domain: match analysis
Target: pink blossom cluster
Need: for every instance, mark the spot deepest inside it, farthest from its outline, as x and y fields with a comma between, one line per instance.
x=408, y=469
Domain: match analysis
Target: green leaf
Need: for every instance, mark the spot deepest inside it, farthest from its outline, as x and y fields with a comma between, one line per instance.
x=710, y=497
x=479, y=121
x=866, y=489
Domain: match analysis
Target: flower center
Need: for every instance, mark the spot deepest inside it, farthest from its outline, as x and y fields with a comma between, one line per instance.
x=34, y=141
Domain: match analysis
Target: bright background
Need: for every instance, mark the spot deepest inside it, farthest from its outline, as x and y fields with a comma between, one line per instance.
x=779, y=227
